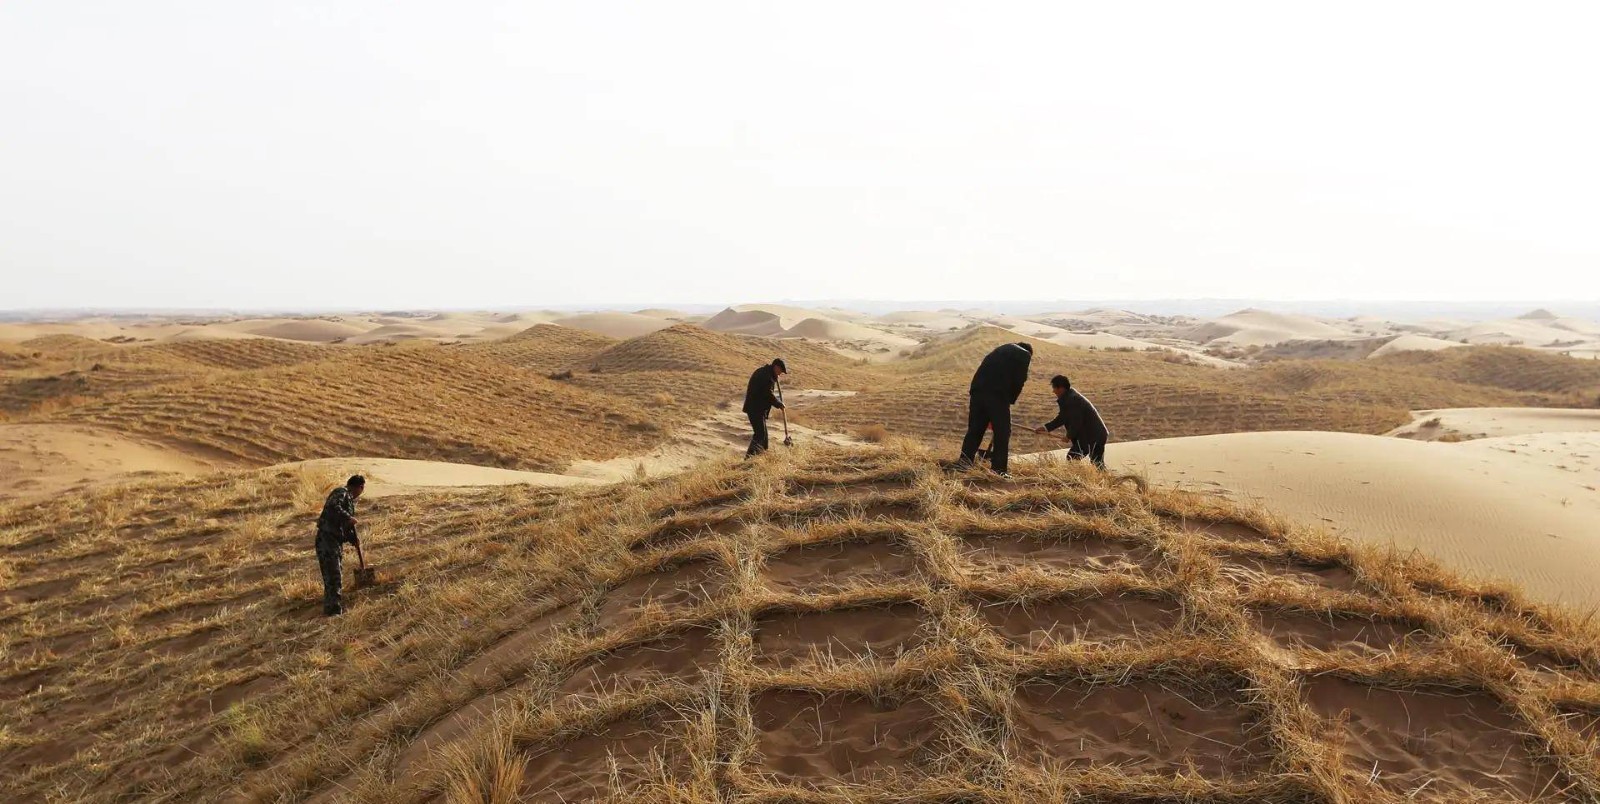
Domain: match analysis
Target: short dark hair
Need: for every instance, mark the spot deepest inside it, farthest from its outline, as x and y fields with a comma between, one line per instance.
x=356, y=481
x=777, y=363
x=1026, y=347
x=1061, y=381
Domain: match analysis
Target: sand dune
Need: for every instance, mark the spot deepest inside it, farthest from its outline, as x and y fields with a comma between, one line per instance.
x=779, y=321
x=1414, y=343
x=1254, y=327
x=831, y=330
x=1474, y=423
x=207, y=334
x=615, y=325
x=314, y=330
x=766, y=320
x=929, y=321
x=1528, y=521
x=865, y=608
x=40, y=459
x=1516, y=332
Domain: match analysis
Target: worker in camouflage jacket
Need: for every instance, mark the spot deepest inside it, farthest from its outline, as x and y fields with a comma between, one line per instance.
x=336, y=527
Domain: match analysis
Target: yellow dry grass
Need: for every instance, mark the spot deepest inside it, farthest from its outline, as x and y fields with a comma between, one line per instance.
x=544, y=348
x=428, y=402
x=1507, y=367
x=648, y=643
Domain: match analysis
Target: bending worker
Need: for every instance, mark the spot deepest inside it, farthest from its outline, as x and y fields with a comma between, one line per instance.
x=1084, y=425
x=995, y=388
x=759, y=400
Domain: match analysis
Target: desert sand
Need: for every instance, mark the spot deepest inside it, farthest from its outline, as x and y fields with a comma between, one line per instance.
x=1470, y=423
x=616, y=325
x=44, y=459
x=1472, y=507
x=1262, y=328
x=782, y=321
x=1413, y=343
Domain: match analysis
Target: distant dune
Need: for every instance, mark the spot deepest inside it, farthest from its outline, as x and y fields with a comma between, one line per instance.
x=1413, y=343
x=615, y=325
x=314, y=330
x=931, y=321
x=779, y=321
x=1262, y=328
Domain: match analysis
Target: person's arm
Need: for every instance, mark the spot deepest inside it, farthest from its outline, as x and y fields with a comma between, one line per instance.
x=347, y=509
x=1059, y=420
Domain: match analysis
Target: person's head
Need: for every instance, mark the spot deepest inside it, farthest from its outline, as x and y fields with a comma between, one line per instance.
x=1026, y=347
x=778, y=368
x=1060, y=384
x=355, y=485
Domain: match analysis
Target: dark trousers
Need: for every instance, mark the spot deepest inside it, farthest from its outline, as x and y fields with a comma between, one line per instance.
x=330, y=559
x=758, y=434
x=984, y=412
x=1095, y=451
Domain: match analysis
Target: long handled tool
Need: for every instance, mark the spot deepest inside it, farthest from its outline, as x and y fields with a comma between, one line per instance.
x=783, y=412
x=365, y=575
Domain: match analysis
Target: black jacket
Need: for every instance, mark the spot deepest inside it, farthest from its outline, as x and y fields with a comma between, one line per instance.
x=1002, y=373
x=1078, y=415
x=759, y=399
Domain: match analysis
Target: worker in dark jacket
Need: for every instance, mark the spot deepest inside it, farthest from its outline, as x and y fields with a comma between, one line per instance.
x=1084, y=425
x=759, y=400
x=336, y=527
x=995, y=388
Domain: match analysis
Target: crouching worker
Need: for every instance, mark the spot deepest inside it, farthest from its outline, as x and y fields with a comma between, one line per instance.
x=336, y=527
x=1084, y=425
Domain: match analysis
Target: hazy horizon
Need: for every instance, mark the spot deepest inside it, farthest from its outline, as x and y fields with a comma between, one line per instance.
x=1397, y=310
x=393, y=156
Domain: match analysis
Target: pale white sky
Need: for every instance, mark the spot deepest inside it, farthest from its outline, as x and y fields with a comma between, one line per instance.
x=387, y=154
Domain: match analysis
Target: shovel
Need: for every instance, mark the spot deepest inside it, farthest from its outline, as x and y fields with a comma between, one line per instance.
x=365, y=575
x=784, y=413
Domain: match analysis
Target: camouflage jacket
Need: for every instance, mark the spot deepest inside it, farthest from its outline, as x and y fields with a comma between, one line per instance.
x=338, y=520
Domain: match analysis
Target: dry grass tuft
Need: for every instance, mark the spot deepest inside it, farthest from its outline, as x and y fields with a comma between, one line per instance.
x=873, y=433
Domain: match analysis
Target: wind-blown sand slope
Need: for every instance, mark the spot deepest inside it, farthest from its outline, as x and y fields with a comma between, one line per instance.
x=40, y=459
x=1478, y=510
x=1430, y=425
